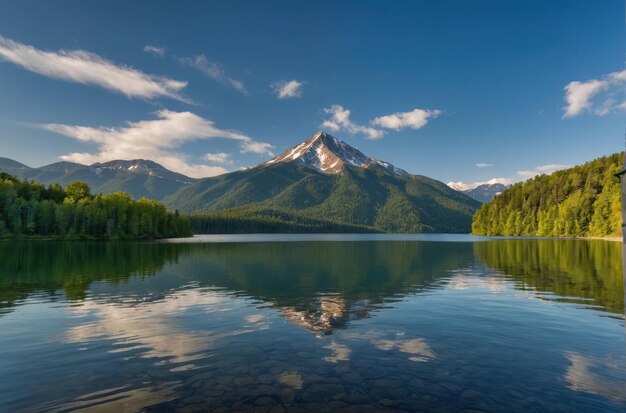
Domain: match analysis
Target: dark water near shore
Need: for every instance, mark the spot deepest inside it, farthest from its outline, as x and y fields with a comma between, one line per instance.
x=359, y=323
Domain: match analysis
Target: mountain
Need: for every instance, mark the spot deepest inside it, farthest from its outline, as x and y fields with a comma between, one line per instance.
x=459, y=186
x=12, y=167
x=142, y=167
x=583, y=201
x=327, y=181
x=139, y=177
x=480, y=192
x=486, y=192
x=328, y=154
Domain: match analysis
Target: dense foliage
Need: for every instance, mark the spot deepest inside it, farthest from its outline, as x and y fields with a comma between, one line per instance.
x=576, y=202
x=31, y=266
x=28, y=208
x=292, y=198
x=251, y=220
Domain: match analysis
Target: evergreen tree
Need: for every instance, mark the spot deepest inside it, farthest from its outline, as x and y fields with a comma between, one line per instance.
x=577, y=202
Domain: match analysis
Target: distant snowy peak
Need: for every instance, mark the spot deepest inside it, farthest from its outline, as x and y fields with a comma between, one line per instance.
x=137, y=165
x=329, y=155
x=141, y=167
x=480, y=191
x=460, y=186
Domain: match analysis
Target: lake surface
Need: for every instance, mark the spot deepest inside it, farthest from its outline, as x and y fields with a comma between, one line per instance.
x=322, y=323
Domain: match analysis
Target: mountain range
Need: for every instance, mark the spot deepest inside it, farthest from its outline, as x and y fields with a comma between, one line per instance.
x=481, y=192
x=139, y=177
x=327, y=180
x=321, y=180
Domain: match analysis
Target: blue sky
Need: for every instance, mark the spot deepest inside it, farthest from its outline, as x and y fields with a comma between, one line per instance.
x=432, y=87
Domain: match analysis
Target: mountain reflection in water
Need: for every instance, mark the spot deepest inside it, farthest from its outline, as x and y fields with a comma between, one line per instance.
x=501, y=325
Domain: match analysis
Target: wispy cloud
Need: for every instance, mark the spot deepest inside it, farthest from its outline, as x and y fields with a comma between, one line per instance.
x=415, y=119
x=287, y=89
x=83, y=67
x=340, y=121
x=219, y=158
x=157, y=139
x=154, y=50
x=212, y=70
x=484, y=165
x=543, y=169
x=579, y=95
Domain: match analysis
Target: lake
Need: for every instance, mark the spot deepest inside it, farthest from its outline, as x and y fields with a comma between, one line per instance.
x=328, y=323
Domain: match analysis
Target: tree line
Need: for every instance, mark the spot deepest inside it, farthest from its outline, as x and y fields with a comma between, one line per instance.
x=584, y=201
x=249, y=220
x=30, y=209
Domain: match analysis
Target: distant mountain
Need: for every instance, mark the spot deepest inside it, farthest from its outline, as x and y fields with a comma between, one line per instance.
x=479, y=192
x=486, y=192
x=459, y=186
x=139, y=177
x=327, y=180
x=12, y=167
x=583, y=201
x=142, y=167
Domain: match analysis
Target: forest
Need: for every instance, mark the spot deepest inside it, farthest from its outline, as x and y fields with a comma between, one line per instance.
x=31, y=210
x=247, y=220
x=583, y=201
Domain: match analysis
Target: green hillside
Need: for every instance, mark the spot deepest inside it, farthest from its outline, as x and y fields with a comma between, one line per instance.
x=359, y=199
x=584, y=201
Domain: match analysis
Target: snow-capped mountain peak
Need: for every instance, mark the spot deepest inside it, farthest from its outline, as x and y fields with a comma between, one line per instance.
x=140, y=167
x=328, y=154
x=134, y=165
x=460, y=186
x=481, y=191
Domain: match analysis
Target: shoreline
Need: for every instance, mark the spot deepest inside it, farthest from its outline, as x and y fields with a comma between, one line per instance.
x=296, y=234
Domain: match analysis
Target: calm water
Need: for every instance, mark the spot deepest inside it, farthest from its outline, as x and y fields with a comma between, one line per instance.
x=327, y=323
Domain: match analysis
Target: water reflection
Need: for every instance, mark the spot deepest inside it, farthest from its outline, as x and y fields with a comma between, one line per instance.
x=603, y=377
x=416, y=348
x=330, y=326
x=571, y=269
x=151, y=327
x=118, y=399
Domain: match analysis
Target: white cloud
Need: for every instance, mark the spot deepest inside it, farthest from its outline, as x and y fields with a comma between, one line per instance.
x=212, y=70
x=484, y=165
x=155, y=139
x=579, y=95
x=83, y=67
x=340, y=121
x=415, y=119
x=219, y=158
x=154, y=50
x=543, y=169
x=286, y=89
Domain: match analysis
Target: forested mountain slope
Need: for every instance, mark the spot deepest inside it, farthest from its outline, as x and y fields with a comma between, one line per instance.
x=325, y=183
x=583, y=201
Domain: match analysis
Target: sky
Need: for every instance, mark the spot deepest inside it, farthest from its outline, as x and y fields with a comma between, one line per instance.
x=454, y=90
